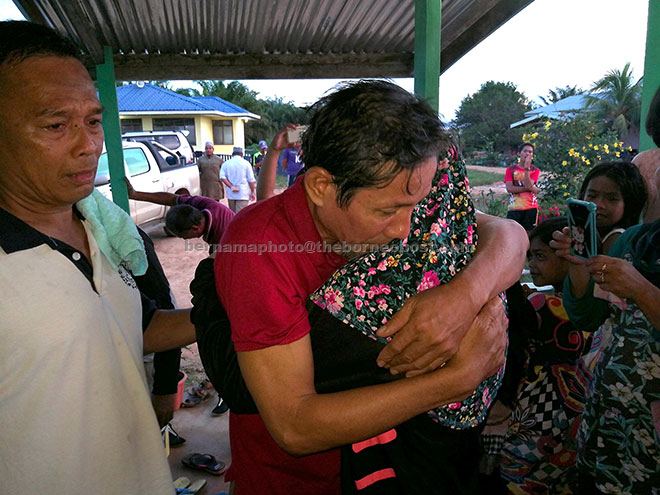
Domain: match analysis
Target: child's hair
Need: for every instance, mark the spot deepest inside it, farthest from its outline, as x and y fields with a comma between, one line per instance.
x=545, y=229
x=522, y=146
x=631, y=184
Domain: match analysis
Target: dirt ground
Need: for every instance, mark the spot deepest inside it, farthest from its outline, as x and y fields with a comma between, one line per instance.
x=179, y=261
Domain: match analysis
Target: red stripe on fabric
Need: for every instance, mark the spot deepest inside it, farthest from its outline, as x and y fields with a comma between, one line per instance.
x=374, y=477
x=383, y=438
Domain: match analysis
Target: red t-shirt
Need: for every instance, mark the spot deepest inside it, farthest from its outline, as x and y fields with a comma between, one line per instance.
x=524, y=200
x=268, y=264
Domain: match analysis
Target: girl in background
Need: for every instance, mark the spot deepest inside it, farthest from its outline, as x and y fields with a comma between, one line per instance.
x=619, y=191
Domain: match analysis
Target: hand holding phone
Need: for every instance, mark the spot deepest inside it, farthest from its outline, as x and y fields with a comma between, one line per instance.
x=294, y=135
x=582, y=227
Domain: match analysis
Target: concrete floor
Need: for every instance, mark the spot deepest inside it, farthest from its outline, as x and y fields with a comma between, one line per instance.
x=204, y=434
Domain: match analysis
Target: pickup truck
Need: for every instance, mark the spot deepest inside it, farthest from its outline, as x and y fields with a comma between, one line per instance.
x=151, y=167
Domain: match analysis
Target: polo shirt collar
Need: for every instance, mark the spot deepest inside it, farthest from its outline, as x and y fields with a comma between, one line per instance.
x=300, y=218
x=17, y=235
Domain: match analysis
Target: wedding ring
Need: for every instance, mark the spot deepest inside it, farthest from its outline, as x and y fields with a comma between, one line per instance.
x=603, y=268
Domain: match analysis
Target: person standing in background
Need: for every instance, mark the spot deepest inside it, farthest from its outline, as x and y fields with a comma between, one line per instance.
x=292, y=163
x=520, y=181
x=209, y=173
x=259, y=156
x=237, y=176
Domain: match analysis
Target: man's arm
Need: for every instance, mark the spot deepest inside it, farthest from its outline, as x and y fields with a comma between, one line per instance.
x=161, y=198
x=430, y=325
x=268, y=174
x=168, y=329
x=281, y=381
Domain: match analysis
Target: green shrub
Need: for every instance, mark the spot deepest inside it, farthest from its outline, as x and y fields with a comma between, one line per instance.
x=491, y=203
x=566, y=150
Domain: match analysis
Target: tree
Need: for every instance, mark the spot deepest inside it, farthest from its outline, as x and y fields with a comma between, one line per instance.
x=617, y=98
x=485, y=116
x=557, y=94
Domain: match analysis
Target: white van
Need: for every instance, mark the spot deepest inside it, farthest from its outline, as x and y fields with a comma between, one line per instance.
x=174, y=140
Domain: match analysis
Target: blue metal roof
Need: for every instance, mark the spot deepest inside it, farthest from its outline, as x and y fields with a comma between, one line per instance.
x=149, y=98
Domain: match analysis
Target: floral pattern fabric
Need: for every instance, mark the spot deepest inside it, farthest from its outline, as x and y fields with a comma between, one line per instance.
x=539, y=450
x=366, y=292
x=619, y=437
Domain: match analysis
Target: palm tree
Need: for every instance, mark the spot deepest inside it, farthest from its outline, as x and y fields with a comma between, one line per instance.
x=554, y=95
x=617, y=98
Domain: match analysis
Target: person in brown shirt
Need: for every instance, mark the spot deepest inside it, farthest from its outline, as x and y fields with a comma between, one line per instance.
x=209, y=173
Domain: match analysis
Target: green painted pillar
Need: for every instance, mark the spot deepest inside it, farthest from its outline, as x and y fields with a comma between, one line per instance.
x=651, y=70
x=428, y=24
x=105, y=78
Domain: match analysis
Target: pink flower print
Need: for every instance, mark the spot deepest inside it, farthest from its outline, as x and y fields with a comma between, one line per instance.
x=375, y=290
x=444, y=180
x=362, y=283
x=382, y=305
x=430, y=279
x=358, y=304
x=358, y=291
x=385, y=289
x=370, y=271
x=406, y=266
x=454, y=405
x=382, y=266
x=435, y=229
x=334, y=300
x=371, y=294
x=470, y=231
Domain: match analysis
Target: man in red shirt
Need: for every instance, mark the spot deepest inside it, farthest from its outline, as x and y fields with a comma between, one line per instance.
x=371, y=150
x=520, y=181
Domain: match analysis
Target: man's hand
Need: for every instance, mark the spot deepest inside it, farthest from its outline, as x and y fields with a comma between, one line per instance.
x=481, y=352
x=163, y=407
x=129, y=188
x=429, y=329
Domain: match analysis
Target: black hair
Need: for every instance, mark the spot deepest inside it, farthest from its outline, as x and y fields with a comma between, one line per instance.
x=522, y=146
x=631, y=184
x=653, y=119
x=181, y=218
x=20, y=40
x=367, y=132
x=545, y=229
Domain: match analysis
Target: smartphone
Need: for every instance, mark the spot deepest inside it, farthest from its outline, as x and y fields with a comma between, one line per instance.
x=582, y=225
x=294, y=135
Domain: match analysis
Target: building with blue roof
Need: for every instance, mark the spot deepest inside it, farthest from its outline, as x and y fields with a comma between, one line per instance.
x=145, y=107
x=562, y=109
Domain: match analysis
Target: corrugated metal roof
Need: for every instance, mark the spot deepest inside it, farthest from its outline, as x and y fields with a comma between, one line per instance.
x=149, y=98
x=261, y=39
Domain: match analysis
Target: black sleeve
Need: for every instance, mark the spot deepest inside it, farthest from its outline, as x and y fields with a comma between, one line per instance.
x=155, y=290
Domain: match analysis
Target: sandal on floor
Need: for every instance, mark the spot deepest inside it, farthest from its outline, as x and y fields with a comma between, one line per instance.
x=192, y=489
x=180, y=483
x=204, y=462
x=197, y=394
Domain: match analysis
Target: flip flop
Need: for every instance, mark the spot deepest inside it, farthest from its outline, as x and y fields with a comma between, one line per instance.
x=197, y=394
x=204, y=462
x=181, y=483
x=192, y=489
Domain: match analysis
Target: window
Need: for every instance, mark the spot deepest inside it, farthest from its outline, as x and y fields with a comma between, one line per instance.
x=135, y=161
x=223, y=132
x=177, y=125
x=131, y=125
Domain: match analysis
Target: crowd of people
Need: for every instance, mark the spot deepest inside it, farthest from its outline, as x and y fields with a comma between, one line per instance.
x=367, y=327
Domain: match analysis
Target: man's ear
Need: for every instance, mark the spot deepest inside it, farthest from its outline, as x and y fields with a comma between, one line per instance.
x=319, y=186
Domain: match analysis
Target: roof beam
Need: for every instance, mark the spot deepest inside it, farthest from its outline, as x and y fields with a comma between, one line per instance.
x=262, y=66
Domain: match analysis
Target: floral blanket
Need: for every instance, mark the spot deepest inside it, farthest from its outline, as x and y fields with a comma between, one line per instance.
x=367, y=291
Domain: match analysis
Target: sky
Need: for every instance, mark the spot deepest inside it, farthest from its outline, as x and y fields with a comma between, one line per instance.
x=549, y=44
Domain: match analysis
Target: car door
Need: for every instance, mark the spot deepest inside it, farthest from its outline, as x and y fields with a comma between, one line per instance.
x=145, y=176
